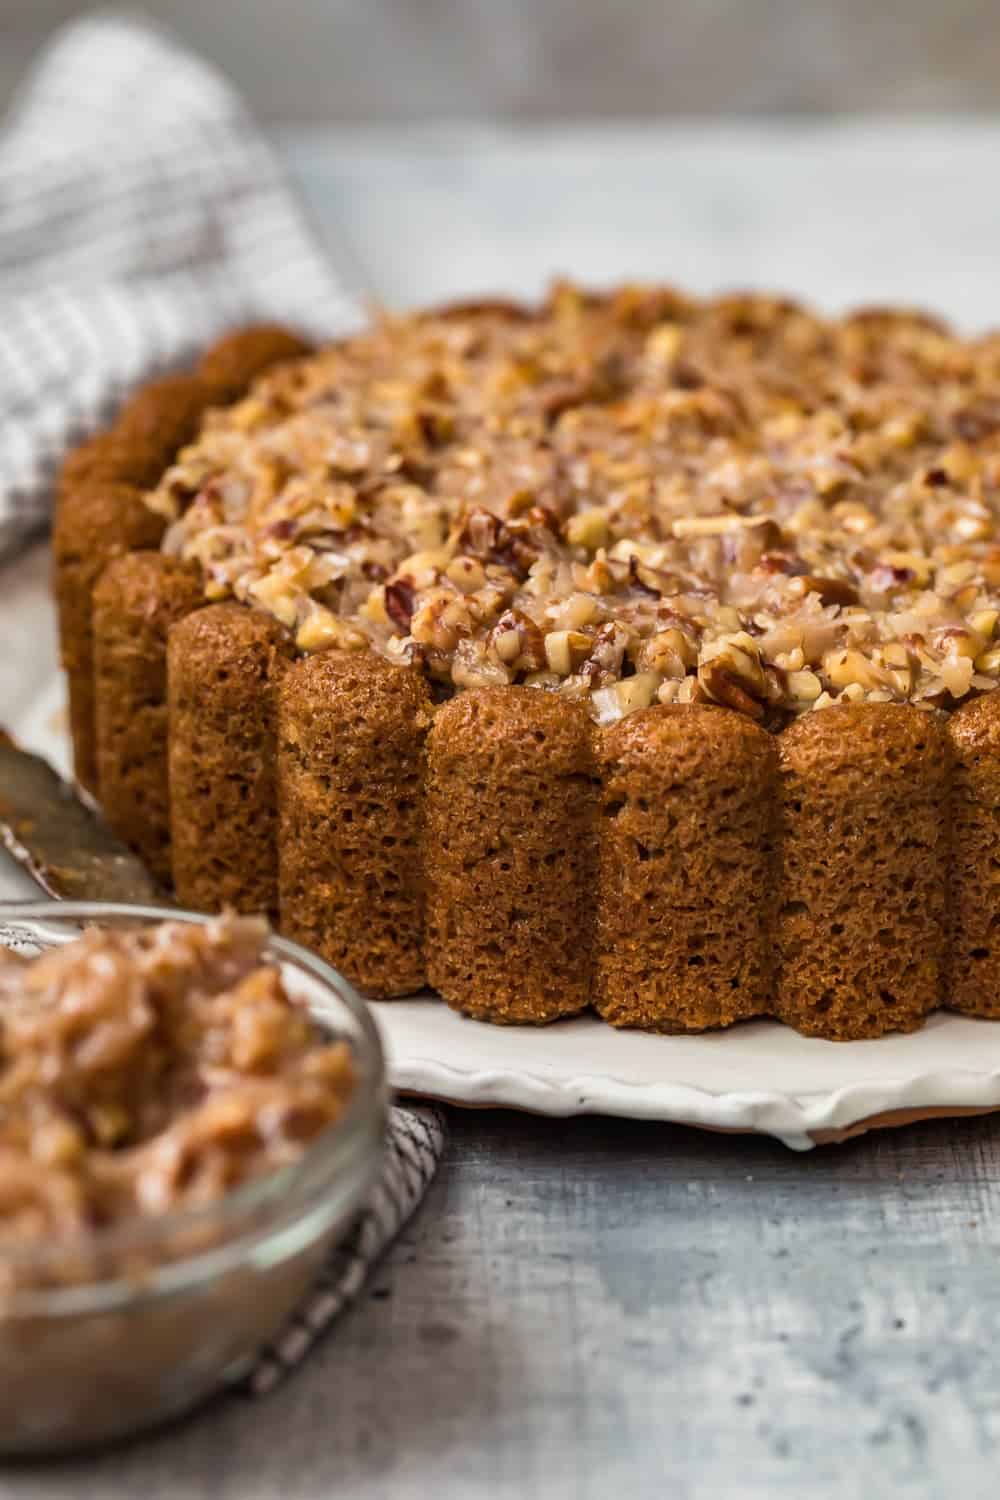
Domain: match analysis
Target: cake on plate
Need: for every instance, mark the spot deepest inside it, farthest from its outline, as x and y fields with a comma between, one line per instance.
x=632, y=651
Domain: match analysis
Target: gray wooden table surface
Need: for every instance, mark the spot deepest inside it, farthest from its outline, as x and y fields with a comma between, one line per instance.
x=594, y=1307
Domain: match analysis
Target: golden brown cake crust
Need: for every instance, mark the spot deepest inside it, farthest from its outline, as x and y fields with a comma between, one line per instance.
x=136, y=600
x=974, y=979
x=112, y=457
x=685, y=877
x=166, y=412
x=100, y=513
x=157, y=419
x=860, y=931
x=350, y=768
x=223, y=666
x=92, y=527
x=510, y=855
x=232, y=363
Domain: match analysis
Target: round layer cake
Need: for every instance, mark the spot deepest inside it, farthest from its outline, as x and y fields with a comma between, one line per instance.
x=604, y=653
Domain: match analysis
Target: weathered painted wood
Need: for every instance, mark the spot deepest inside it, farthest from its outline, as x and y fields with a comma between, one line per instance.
x=594, y=1307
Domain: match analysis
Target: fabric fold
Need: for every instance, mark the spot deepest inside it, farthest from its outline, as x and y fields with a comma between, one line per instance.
x=141, y=215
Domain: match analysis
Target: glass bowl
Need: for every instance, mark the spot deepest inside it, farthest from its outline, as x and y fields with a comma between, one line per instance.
x=182, y=1302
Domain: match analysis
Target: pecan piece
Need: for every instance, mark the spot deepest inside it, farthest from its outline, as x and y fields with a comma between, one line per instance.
x=545, y=517
x=830, y=590
x=562, y=394
x=517, y=642
x=937, y=477
x=781, y=562
x=606, y=655
x=638, y=582
x=485, y=536
x=978, y=420
x=482, y=533
x=687, y=376
x=725, y=687
x=435, y=424
x=885, y=577
x=283, y=530
x=399, y=601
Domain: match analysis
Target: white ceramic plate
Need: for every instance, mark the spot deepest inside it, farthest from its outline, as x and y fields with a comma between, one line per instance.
x=759, y=1076
x=756, y=1077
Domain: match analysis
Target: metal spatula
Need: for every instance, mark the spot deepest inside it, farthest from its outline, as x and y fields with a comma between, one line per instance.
x=59, y=841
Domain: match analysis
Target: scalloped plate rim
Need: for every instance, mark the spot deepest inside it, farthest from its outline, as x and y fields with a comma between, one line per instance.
x=795, y=1116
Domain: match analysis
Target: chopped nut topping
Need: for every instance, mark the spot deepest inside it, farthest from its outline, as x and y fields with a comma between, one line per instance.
x=732, y=500
x=150, y=1070
x=715, y=525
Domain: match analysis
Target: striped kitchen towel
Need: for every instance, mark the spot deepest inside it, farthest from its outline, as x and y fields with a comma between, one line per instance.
x=416, y=1140
x=141, y=214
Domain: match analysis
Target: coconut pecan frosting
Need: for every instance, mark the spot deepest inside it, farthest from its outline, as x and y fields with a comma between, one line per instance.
x=624, y=498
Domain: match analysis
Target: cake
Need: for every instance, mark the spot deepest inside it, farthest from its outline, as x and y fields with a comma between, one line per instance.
x=631, y=652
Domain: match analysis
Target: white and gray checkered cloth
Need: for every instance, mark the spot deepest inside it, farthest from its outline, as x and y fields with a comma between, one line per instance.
x=141, y=214
x=416, y=1140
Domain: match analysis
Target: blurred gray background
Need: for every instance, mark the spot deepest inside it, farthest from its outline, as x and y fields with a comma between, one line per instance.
x=391, y=60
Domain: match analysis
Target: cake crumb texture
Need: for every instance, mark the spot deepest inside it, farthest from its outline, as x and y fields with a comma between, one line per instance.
x=100, y=511
x=350, y=763
x=92, y=527
x=860, y=930
x=685, y=869
x=510, y=865
x=136, y=600
x=974, y=980
x=112, y=457
x=232, y=363
x=223, y=667
x=166, y=412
